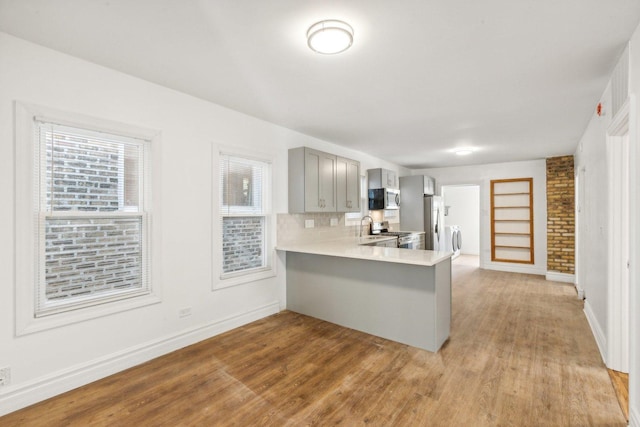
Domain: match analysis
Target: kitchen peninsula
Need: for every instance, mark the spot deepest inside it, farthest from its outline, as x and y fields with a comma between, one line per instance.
x=399, y=294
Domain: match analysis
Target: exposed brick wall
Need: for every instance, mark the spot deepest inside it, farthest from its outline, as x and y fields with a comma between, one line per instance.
x=86, y=177
x=86, y=256
x=560, y=215
x=243, y=242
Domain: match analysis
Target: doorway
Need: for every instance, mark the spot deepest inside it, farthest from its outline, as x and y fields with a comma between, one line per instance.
x=462, y=212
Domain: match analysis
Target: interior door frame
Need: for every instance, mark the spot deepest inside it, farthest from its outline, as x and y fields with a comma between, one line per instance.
x=579, y=211
x=619, y=138
x=481, y=195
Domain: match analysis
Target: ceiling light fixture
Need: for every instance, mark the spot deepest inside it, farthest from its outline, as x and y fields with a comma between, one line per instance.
x=330, y=37
x=463, y=151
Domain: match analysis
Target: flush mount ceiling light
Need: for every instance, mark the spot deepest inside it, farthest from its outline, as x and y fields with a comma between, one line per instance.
x=463, y=151
x=330, y=37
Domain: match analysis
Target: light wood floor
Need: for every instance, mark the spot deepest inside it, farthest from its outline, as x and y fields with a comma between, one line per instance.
x=520, y=354
x=620, y=382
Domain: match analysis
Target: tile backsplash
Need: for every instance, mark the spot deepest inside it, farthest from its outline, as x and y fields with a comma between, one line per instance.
x=291, y=227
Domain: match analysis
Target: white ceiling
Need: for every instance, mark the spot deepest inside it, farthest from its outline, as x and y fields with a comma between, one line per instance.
x=515, y=79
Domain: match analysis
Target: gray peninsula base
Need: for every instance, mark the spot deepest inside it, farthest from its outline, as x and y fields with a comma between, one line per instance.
x=410, y=304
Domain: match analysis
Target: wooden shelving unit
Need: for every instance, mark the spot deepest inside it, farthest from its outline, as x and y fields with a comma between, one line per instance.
x=512, y=220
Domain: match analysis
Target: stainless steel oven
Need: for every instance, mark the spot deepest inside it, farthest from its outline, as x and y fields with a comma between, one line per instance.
x=406, y=239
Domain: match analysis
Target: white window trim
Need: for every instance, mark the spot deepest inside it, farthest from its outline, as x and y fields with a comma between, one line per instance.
x=27, y=220
x=226, y=280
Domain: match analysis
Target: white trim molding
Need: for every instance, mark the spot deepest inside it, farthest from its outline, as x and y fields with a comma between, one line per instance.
x=596, y=330
x=513, y=268
x=634, y=270
x=13, y=398
x=634, y=417
x=554, y=276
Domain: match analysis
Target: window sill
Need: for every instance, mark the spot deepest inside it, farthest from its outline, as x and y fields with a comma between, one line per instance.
x=29, y=324
x=240, y=278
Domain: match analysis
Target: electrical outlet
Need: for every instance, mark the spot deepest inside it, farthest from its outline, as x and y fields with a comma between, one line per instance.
x=309, y=223
x=184, y=312
x=333, y=222
x=5, y=376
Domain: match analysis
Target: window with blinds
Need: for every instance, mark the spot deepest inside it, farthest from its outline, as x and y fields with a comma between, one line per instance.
x=244, y=216
x=92, y=222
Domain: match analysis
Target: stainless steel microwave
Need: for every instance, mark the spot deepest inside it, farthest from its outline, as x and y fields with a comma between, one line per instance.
x=384, y=198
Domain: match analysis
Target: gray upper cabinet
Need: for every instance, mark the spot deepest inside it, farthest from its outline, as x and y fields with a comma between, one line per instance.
x=348, y=185
x=382, y=178
x=322, y=182
x=312, y=181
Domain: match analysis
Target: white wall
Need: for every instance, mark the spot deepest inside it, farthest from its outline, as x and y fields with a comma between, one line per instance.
x=482, y=176
x=55, y=360
x=591, y=167
x=464, y=211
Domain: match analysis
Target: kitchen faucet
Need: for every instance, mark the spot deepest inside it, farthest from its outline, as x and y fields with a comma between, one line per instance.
x=362, y=219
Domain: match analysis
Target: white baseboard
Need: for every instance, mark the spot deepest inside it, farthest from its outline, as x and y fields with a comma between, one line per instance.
x=596, y=330
x=554, y=276
x=514, y=268
x=634, y=417
x=22, y=395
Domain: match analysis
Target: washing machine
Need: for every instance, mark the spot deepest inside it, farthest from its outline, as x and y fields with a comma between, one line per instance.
x=453, y=240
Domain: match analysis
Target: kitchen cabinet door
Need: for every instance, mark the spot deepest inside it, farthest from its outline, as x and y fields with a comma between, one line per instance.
x=327, y=181
x=348, y=185
x=312, y=181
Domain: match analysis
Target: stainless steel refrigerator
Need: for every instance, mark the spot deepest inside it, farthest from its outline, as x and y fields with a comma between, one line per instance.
x=421, y=210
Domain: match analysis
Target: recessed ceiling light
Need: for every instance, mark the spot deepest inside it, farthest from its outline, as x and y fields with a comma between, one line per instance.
x=463, y=151
x=330, y=37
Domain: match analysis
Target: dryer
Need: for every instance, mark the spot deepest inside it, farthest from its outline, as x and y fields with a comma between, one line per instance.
x=453, y=240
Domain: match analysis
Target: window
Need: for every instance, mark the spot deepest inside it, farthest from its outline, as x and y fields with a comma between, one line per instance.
x=89, y=218
x=244, y=218
x=92, y=220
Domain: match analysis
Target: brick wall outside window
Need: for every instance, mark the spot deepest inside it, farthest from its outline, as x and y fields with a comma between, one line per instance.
x=560, y=215
x=87, y=256
x=243, y=243
x=83, y=176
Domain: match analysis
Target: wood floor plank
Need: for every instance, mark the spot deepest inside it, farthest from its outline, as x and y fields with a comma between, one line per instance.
x=620, y=382
x=520, y=353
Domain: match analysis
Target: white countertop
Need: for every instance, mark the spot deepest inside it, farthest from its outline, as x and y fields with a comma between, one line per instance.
x=351, y=247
